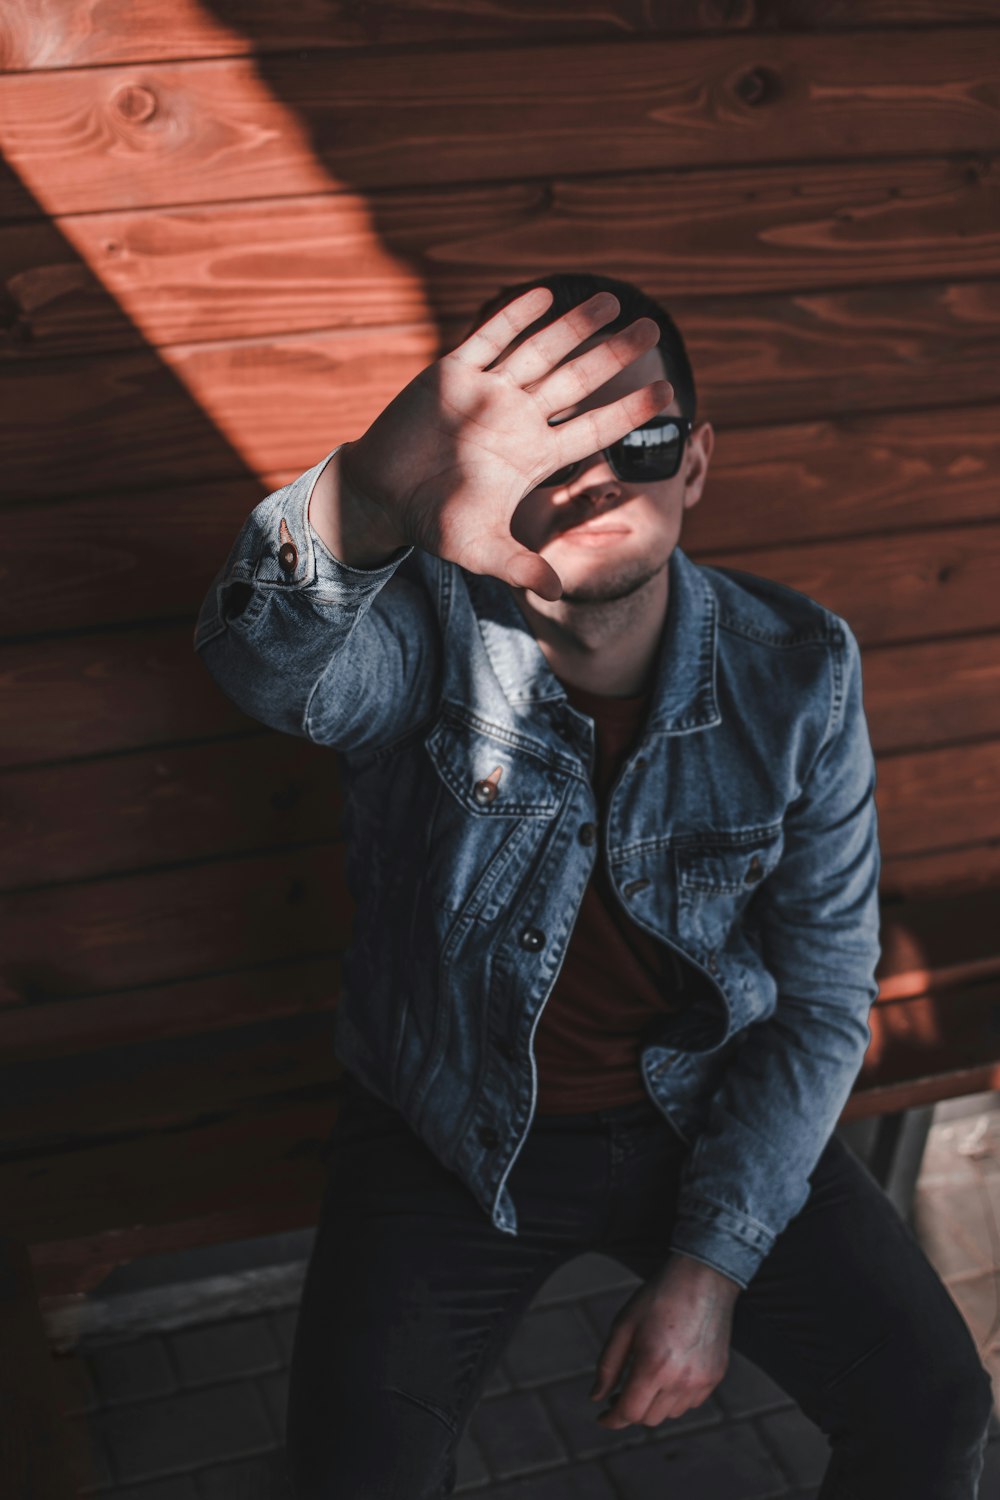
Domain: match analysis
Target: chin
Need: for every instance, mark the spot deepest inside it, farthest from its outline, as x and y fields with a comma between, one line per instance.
x=603, y=585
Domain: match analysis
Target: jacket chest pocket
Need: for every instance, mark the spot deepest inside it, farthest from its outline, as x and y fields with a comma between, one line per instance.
x=497, y=803
x=717, y=878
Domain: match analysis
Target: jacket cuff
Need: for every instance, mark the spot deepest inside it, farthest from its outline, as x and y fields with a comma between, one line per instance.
x=290, y=553
x=721, y=1238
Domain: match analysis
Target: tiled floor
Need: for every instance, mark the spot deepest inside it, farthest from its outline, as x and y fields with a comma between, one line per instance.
x=196, y=1413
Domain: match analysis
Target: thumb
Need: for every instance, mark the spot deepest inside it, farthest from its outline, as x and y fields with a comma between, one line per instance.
x=526, y=570
x=612, y=1361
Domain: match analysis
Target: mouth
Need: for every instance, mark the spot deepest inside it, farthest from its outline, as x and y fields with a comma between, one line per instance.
x=592, y=534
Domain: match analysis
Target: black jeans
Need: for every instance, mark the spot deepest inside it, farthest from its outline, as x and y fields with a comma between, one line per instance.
x=411, y=1295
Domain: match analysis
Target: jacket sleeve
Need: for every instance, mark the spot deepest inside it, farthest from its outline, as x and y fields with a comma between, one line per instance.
x=817, y=919
x=344, y=656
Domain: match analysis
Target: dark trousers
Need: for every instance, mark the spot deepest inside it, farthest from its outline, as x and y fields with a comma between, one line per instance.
x=411, y=1295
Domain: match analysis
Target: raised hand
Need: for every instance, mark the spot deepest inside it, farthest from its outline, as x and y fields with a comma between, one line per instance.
x=447, y=462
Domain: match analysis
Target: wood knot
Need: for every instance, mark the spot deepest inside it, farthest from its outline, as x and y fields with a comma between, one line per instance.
x=135, y=103
x=758, y=86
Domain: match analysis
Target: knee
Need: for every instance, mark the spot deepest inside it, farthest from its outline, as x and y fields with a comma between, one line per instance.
x=386, y=1447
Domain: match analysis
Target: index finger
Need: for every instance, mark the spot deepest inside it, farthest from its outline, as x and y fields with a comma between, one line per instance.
x=487, y=343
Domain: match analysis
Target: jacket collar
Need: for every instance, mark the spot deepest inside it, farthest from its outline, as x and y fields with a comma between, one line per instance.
x=685, y=675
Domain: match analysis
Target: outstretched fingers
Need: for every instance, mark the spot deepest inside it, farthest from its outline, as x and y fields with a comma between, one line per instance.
x=596, y=429
x=487, y=343
x=580, y=377
x=538, y=356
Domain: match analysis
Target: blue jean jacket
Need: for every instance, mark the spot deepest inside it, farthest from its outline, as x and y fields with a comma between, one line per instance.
x=741, y=832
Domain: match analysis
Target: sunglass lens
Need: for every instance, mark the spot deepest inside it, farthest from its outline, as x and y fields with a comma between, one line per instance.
x=652, y=452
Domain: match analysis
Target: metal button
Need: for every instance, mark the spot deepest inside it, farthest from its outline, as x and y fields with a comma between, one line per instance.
x=288, y=556
x=488, y=1136
x=484, y=792
x=587, y=833
x=532, y=938
x=634, y=886
x=755, y=871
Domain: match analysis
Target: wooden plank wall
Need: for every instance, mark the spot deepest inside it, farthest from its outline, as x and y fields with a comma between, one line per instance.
x=231, y=229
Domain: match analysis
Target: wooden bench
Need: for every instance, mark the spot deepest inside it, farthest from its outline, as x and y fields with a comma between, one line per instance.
x=143, y=1146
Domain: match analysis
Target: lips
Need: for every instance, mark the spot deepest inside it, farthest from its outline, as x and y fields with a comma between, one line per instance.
x=594, y=528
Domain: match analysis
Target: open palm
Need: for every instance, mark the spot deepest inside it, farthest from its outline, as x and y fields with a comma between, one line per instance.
x=451, y=457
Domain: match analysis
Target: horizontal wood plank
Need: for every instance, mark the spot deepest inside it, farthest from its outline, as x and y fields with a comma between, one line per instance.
x=905, y=585
x=260, y=1169
x=161, y=807
x=122, y=558
x=171, y=925
x=940, y=799
x=98, y=694
x=155, y=1083
x=94, y=282
x=200, y=413
x=170, y=133
x=74, y=33
x=970, y=867
x=136, y=813
x=213, y=1002
x=161, y=927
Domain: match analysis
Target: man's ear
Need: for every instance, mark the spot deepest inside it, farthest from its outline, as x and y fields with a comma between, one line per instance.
x=700, y=446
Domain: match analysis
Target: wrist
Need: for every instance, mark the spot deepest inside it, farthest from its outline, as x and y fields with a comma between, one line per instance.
x=363, y=517
x=702, y=1275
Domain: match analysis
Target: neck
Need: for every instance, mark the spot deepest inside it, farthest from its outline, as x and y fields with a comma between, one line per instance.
x=607, y=646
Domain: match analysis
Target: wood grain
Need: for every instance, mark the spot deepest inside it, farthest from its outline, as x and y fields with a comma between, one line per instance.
x=91, y=282
x=170, y=925
x=66, y=33
x=179, y=133
x=93, y=695
x=158, y=808
x=73, y=1027
x=122, y=558
x=129, y=421
x=139, y=813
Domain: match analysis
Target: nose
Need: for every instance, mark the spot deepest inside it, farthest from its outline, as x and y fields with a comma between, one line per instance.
x=594, y=481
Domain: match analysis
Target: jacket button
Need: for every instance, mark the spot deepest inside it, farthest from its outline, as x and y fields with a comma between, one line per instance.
x=488, y=1136
x=587, y=833
x=288, y=557
x=532, y=938
x=754, y=873
x=634, y=886
x=484, y=792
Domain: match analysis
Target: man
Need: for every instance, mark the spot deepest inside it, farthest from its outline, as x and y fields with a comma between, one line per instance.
x=612, y=839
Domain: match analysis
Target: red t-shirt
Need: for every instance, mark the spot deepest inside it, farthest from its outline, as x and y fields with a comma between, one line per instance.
x=616, y=977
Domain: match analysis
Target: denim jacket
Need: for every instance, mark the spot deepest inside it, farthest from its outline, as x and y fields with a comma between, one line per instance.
x=741, y=832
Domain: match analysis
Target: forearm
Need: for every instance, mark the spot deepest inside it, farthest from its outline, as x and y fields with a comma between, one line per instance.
x=289, y=637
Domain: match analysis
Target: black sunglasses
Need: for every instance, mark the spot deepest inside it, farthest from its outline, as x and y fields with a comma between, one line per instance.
x=650, y=452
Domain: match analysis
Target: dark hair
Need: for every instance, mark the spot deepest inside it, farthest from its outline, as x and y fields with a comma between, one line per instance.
x=569, y=288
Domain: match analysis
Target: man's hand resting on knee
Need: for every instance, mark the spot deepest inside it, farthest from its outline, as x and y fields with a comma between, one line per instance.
x=673, y=1335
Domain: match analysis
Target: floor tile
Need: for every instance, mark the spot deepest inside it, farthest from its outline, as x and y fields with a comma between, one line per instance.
x=133, y=1371
x=727, y=1463
x=745, y=1390
x=224, y=1351
x=186, y=1431
x=551, y=1342
x=802, y=1449
x=516, y=1435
